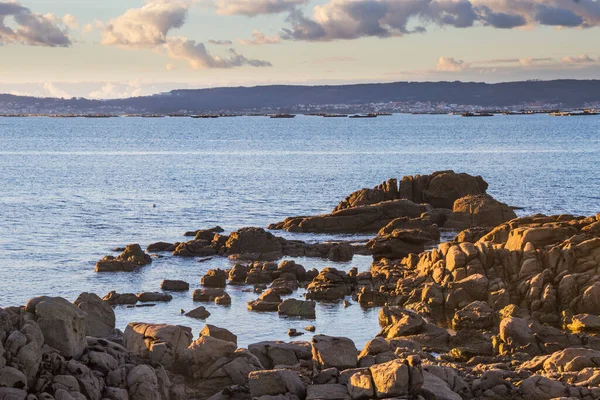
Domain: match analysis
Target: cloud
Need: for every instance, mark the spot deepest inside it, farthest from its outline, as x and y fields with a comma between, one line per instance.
x=582, y=59
x=32, y=29
x=252, y=8
x=556, y=16
x=196, y=55
x=117, y=91
x=260, y=38
x=70, y=21
x=55, y=91
x=450, y=64
x=220, y=42
x=147, y=26
x=353, y=19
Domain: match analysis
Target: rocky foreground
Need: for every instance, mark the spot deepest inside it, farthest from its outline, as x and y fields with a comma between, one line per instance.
x=508, y=310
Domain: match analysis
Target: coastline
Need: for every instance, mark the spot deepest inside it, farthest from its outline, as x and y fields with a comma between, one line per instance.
x=503, y=310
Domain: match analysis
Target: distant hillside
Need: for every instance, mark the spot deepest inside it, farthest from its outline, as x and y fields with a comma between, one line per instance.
x=565, y=93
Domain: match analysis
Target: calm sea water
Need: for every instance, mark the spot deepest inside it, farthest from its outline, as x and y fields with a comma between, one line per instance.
x=73, y=189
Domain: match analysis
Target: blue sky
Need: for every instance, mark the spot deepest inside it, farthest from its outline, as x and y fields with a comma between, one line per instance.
x=113, y=48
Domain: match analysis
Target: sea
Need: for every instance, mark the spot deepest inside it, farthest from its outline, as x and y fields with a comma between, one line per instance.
x=74, y=189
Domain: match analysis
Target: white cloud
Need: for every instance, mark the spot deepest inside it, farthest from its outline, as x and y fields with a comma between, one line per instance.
x=32, y=28
x=118, y=91
x=450, y=64
x=147, y=26
x=581, y=59
x=259, y=38
x=54, y=91
x=252, y=8
x=70, y=21
x=196, y=55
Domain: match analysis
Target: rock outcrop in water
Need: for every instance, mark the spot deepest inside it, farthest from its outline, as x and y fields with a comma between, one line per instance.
x=446, y=199
x=252, y=244
x=129, y=260
x=440, y=189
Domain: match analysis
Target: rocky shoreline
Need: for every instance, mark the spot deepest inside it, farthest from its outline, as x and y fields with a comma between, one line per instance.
x=507, y=310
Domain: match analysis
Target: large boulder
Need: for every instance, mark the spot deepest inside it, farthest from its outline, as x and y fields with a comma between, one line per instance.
x=361, y=386
x=538, y=236
x=143, y=383
x=436, y=388
x=159, y=343
x=541, y=388
x=100, y=320
x=280, y=354
x=395, y=378
x=572, y=360
x=397, y=322
x=219, y=333
x=204, y=351
x=479, y=211
x=334, y=352
x=62, y=323
x=275, y=382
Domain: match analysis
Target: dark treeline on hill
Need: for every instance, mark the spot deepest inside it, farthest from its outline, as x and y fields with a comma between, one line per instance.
x=566, y=93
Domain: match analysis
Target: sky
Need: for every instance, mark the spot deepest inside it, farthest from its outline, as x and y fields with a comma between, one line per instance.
x=122, y=48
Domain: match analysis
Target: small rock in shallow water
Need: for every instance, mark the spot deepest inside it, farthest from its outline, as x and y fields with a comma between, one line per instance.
x=198, y=313
x=223, y=300
x=294, y=333
x=174, y=285
x=347, y=304
x=310, y=328
x=154, y=297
